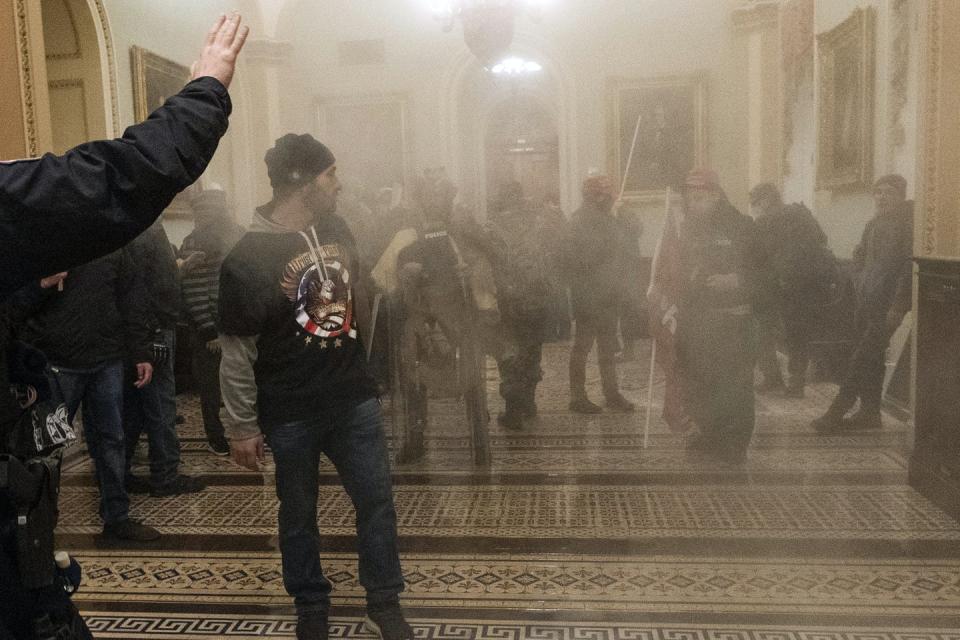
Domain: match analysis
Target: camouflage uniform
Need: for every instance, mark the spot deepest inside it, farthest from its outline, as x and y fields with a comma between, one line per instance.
x=525, y=290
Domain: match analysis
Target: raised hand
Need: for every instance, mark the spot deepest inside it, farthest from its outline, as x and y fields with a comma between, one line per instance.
x=220, y=50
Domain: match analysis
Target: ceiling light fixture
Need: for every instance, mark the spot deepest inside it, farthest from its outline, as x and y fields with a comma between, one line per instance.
x=488, y=25
x=516, y=67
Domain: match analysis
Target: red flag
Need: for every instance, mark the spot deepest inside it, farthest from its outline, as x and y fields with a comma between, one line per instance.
x=663, y=297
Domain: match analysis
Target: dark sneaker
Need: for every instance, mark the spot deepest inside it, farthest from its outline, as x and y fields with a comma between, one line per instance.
x=219, y=447
x=181, y=485
x=388, y=623
x=137, y=485
x=132, y=530
x=583, y=405
x=621, y=404
x=313, y=626
x=863, y=420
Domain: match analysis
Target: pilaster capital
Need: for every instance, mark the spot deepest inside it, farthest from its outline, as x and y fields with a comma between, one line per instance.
x=749, y=15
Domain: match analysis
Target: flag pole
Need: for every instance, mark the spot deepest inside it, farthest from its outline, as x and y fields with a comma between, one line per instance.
x=653, y=365
x=633, y=147
x=653, y=347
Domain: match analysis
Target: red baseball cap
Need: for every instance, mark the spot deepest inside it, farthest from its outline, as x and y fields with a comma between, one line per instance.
x=598, y=186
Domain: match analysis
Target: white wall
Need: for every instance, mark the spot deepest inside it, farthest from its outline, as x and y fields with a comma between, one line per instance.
x=844, y=213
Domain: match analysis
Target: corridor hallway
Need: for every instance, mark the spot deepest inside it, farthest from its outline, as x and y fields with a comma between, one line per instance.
x=573, y=532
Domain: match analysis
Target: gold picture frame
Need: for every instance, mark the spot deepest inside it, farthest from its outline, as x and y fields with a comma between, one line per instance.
x=672, y=134
x=370, y=135
x=155, y=79
x=846, y=60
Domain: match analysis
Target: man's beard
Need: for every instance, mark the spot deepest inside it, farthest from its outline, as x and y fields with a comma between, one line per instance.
x=321, y=203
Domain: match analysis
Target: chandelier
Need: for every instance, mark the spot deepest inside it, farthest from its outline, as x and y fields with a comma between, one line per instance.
x=488, y=25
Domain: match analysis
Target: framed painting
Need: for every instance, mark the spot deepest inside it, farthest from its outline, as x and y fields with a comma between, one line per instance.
x=370, y=138
x=667, y=116
x=845, y=128
x=154, y=80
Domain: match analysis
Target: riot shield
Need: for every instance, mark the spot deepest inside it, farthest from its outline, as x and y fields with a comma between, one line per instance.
x=435, y=352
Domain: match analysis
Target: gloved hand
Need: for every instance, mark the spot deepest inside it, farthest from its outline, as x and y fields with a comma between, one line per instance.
x=160, y=352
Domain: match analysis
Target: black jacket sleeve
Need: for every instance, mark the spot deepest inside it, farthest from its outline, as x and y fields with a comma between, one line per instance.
x=133, y=303
x=57, y=212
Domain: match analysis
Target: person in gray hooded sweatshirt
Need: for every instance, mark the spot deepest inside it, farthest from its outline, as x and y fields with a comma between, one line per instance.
x=293, y=317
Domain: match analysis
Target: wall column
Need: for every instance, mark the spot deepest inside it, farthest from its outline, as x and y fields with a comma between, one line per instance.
x=263, y=63
x=757, y=24
x=938, y=225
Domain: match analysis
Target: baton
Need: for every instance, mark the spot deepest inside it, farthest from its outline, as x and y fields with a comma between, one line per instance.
x=373, y=324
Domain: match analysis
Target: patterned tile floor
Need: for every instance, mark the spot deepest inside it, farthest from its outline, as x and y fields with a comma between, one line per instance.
x=575, y=531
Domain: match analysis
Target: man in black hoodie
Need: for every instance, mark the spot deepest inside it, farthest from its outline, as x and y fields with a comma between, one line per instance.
x=293, y=313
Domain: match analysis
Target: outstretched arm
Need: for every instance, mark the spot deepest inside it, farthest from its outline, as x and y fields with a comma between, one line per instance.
x=57, y=212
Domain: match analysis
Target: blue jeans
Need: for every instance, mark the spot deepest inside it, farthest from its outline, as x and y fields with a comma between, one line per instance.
x=353, y=439
x=154, y=409
x=100, y=390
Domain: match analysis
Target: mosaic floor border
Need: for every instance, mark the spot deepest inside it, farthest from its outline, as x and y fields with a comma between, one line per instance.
x=120, y=625
x=583, y=461
x=564, y=511
x=549, y=582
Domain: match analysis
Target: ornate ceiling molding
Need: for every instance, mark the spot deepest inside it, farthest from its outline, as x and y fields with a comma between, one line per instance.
x=77, y=53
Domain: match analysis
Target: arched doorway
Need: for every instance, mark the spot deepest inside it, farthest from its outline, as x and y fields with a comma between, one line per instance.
x=79, y=104
x=473, y=95
x=522, y=145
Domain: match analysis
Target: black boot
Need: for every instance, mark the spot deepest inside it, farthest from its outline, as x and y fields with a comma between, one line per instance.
x=865, y=419
x=583, y=405
x=619, y=403
x=313, y=625
x=512, y=418
x=829, y=422
x=413, y=448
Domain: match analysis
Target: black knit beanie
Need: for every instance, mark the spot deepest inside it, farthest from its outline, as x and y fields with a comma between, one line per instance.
x=295, y=160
